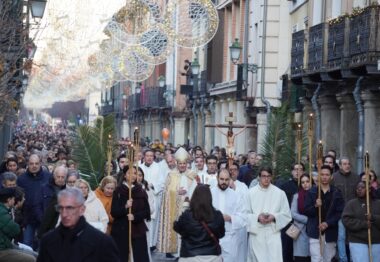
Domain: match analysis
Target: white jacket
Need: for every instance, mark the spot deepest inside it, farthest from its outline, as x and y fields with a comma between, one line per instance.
x=95, y=213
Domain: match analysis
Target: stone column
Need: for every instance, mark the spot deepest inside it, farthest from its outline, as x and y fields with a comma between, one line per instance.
x=261, y=120
x=348, y=127
x=372, y=128
x=179, y=127
x=330, y=122
x=307, y=109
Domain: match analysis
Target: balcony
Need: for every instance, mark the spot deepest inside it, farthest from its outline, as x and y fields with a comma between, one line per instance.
x=346, y=46
x=364, y=42
x=150, y=98
x=297, y=53
x=316, y=48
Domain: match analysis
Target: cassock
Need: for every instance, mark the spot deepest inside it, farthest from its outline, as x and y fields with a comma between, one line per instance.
x=264, y=243
x=153, y=175
x=229, y=203
x=242, y=190
x=172, y=207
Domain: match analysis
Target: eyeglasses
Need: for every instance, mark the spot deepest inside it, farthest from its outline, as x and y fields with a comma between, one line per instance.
x=69, y=209
x=263, y=176
x=71, y=182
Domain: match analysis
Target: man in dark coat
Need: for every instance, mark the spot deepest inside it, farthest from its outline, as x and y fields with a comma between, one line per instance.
x=32, y=181
x=74, y=239
x=49, y=194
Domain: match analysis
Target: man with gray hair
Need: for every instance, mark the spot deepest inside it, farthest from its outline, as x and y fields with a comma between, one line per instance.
x=75, y=239
x=49, y=199
x=8, y=179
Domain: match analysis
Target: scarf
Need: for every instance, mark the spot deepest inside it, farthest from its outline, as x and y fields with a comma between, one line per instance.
x=301, y=201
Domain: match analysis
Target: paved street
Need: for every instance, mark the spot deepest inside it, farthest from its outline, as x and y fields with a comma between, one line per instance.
x=159, y=257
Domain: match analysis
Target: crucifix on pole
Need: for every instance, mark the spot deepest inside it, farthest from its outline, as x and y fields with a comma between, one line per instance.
x=230, y=148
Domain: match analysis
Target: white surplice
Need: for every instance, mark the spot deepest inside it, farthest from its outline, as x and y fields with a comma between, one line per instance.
x=242, y=189
x=265, y=240
x=229, y=203
x=153, y=175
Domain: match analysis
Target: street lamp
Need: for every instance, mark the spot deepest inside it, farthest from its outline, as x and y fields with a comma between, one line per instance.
x=235, y=50
x=161, y=81
x=195, y=67
x=37, y=8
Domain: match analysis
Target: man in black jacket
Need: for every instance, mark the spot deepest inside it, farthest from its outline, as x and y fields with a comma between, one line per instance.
x=74, y=239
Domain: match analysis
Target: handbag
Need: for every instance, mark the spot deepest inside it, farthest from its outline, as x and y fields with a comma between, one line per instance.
x=212, y=236
x=293, y=231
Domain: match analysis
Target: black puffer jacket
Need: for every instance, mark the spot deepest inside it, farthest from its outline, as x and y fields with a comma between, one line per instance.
x=195, y=239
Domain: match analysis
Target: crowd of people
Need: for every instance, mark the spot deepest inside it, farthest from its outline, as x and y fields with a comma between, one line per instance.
x=183, y=202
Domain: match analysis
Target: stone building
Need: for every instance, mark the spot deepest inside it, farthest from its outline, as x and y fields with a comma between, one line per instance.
x=334, y=73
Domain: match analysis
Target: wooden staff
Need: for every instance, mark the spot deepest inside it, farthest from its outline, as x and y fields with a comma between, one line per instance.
x=310, y=134
x=299, y=149
x=109, y=154
x=131, y=157
x=319, y=165
x=136, y=141
x=367, y=181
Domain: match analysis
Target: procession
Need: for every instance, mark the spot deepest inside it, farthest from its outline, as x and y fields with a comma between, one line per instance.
x=157, y=202
x=189, y=130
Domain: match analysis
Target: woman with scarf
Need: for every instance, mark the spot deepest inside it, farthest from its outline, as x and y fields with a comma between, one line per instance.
x=301, y=244
x=121, y=204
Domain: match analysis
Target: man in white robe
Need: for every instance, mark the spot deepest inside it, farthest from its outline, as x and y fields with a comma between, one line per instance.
x=210, y=178
x=179, y=188
x=242, y=190
x=268, y=213
x=229, y=202
x=154, y=176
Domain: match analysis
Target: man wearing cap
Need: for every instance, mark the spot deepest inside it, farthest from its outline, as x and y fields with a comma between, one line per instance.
x=179, y=188
x=9, y=229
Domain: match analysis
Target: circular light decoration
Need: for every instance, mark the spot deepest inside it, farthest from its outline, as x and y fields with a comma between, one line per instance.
x=196, y=22
x=131, y=21
x=159, y=45
x=132, y=67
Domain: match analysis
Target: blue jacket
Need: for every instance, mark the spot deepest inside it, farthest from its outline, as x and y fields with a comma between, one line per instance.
x=333, y=209
x=33, y=206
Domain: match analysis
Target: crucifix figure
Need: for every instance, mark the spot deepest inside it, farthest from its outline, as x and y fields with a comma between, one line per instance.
x=230, y=148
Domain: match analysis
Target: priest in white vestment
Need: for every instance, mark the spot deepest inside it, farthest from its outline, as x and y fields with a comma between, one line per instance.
x=156, y=179
x=230, y=203
x=268, y=213
x=242, y=190
x=179, y=188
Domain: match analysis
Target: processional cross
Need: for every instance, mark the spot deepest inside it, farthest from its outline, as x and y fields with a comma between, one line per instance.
x=230, y=148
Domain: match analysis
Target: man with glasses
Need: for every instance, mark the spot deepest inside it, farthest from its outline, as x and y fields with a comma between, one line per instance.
x=74, y=239
x=212, y=170
x=268, y=213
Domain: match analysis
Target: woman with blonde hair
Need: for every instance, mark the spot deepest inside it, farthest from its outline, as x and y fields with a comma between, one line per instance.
x=95, y=213
x=104, y=193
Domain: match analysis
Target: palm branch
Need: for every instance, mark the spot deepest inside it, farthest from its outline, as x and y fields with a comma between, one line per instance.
x=90, y=145
x=278, y=145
